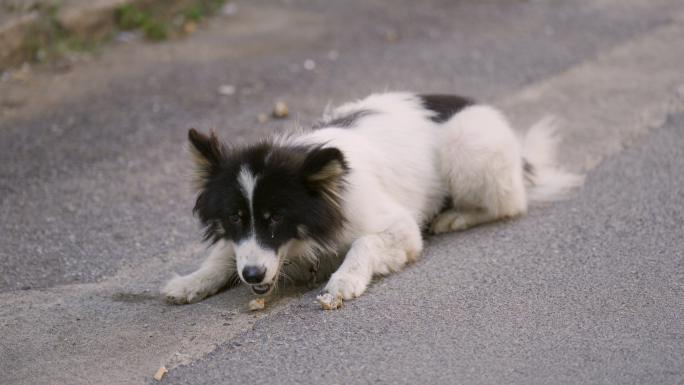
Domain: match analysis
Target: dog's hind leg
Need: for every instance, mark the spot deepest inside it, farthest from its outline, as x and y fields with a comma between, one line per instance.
x=216, y=272
x=380, y=253
x=482, y=164
x=456, y=220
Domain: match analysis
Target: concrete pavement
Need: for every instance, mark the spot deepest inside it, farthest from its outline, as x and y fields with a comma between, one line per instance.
x=96, y=212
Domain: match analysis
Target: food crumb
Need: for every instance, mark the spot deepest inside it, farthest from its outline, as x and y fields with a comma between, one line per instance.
x=160, y=373
x=329, y=302
x=256, y=304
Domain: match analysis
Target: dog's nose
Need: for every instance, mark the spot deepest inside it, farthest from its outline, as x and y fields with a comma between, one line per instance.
x=253, y=274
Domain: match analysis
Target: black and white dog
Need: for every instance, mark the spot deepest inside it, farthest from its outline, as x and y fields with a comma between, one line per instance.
x=360, y=186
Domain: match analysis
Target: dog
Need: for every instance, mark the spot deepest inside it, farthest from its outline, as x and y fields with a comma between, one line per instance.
x=355, y=192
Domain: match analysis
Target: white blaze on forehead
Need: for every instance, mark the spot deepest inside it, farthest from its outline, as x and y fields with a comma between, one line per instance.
x=247, y=182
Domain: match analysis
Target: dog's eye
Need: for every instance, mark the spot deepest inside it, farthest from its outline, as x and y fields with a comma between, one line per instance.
x=235, y=218
x=276, y=218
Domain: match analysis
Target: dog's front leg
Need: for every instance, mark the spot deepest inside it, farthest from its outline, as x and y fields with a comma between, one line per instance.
x=216, y=272
x=381, y=253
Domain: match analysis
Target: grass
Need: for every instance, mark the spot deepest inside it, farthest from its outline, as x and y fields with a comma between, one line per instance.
x=52, y=41
x=130, y=17
x=161, y=26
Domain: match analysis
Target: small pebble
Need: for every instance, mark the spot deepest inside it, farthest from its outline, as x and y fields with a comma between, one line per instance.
x=309, y=65
x=392, y=36
x=126, y=36
x=280, y=111
x=189, y=27
x=229, y=9
x=226, y=89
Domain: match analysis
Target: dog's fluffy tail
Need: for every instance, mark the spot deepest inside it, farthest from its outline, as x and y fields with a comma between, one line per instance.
x=544, y=180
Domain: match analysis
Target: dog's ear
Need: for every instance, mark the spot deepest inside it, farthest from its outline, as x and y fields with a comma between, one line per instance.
x=207, y=152
x=323, y=170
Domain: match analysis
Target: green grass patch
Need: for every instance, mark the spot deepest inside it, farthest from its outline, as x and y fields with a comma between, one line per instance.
x=51, y=41
x=157, y=22
x=158, y=25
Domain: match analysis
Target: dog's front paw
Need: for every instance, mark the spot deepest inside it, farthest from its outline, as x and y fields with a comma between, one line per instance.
x=347, y=286
x=182, y=290
x=449, y=221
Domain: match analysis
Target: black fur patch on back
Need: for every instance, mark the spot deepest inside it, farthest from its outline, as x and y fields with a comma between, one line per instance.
x=445, y=106
x=528, y=171
x=345, y=121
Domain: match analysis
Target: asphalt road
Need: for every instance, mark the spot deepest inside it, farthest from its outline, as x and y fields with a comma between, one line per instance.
x=96, y=210
x=587, y=291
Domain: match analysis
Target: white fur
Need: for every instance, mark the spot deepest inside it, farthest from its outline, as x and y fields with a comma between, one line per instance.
x=247, y=183
x=539, y=148
x=482, y=162
x=403, y=166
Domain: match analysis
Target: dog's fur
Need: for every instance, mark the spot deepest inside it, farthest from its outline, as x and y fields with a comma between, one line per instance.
x=362, y=183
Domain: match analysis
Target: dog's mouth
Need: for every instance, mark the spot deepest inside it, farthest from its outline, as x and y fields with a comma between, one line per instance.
x=261, y=289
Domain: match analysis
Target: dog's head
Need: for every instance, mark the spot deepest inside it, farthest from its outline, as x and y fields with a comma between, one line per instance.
x=266, y=197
